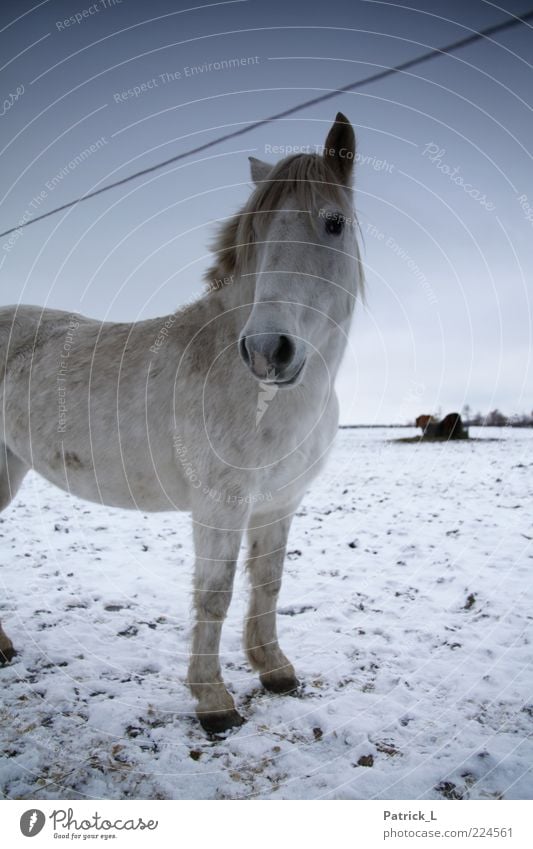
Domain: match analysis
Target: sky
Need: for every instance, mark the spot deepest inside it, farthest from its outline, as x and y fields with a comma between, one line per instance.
x=444, y=181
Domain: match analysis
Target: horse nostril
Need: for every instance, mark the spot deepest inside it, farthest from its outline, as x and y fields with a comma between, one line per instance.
x=243, y=350
x=268, y=355
x=284, y=352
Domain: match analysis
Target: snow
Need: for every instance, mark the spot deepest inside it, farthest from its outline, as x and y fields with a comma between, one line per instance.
x=406, y=609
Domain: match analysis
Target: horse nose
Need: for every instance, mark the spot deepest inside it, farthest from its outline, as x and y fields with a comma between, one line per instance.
x=268, y=355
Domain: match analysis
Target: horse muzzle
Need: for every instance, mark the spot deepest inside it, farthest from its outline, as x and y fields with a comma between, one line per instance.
x=275, y=358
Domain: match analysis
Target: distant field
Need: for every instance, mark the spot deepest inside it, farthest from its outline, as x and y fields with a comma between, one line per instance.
x=406, y=609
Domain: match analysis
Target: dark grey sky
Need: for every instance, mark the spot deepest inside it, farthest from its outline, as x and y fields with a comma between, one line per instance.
x=449, y=273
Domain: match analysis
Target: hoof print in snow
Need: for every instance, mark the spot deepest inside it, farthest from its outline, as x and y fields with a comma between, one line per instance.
x=470, y=601
x=133, y=731
x=295, y=611
x=449, y=790
x=130, y=631
x=388, y=749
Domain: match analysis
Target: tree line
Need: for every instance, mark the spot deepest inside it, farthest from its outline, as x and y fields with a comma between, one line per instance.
x=495, y=418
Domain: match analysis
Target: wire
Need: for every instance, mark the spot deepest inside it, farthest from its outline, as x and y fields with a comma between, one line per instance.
x=403, y=66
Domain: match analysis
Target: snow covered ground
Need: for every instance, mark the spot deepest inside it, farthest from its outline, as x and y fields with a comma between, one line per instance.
x=406, y=609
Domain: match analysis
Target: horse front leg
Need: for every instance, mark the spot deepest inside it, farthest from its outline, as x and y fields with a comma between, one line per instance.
x=217, y=549
x=267, y=544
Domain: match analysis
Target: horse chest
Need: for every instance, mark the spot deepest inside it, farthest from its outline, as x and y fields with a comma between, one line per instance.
x=293, y=454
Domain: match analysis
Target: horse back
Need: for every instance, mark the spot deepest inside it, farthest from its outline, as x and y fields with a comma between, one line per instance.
x=24, y=328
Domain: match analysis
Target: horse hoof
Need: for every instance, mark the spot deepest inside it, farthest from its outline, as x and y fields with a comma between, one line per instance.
x=7, y=653
x=217, y=723
x=283, y=685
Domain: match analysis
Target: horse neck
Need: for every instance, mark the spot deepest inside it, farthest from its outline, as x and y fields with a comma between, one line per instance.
x=239, y=293
x=221, y=302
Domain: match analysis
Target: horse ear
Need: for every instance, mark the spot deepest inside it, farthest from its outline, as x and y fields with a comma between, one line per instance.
x=339, y=150
x=259, y=170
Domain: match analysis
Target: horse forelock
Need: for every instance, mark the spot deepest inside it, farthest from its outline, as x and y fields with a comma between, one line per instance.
x=307, y=178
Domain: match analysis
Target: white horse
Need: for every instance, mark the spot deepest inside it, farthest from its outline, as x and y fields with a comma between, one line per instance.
x=225, y=408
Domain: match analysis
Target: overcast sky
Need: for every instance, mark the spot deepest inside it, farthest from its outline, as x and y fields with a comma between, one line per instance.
x=444, y=182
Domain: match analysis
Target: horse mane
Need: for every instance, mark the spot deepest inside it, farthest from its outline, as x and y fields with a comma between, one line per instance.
x=307, y=176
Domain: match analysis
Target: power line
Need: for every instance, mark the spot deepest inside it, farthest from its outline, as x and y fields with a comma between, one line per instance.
x=380, y=75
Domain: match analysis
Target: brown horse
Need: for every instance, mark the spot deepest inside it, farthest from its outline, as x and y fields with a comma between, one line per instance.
x=427, y=423
x=451, y=426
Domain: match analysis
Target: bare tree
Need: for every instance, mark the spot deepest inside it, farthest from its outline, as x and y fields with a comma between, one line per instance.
x=496, y=419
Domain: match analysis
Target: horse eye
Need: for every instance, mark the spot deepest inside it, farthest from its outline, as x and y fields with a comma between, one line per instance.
x=335, y=224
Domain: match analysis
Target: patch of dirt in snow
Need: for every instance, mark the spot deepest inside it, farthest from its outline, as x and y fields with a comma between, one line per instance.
x=406, y=609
